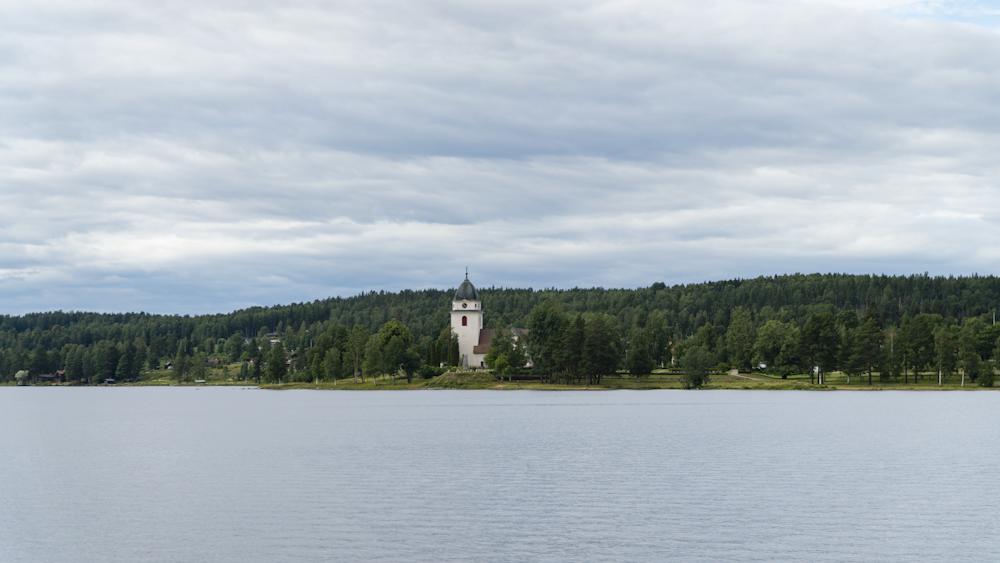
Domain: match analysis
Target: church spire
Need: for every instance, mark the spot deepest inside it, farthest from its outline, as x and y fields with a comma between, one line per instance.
x=466, y=290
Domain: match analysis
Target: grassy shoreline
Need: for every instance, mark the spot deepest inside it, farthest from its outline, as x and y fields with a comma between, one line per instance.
x=662, y=379
x=657, y=381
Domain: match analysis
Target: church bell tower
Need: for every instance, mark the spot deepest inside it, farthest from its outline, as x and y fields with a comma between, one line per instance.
x=467, y=321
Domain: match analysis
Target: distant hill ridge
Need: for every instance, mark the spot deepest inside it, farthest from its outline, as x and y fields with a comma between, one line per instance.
x=685, y=308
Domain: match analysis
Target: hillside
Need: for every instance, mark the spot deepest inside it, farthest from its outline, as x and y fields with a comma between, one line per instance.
x=682, y=308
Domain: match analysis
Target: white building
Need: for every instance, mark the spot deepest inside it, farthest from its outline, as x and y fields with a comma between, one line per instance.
x=467, y=324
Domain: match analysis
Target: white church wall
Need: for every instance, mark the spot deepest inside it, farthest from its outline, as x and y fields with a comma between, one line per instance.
x=468, y=334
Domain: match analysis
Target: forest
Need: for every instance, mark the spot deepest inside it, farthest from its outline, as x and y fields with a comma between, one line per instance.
x=892, y=326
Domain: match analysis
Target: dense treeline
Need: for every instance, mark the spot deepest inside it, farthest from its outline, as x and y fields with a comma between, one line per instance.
x=744, y=323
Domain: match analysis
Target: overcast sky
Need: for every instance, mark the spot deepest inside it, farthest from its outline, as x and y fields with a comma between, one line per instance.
x=203, y=156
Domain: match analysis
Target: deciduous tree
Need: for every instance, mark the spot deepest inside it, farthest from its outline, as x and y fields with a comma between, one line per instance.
x=968, y=354
x=740, y=339
x=944, y=348
x=777, y=347
x=601, y=353
x=638, y=361
x=696, y=364
x=357, y=341
x=372, y=364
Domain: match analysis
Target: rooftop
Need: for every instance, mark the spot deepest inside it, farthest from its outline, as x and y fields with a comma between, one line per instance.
x=466, y=291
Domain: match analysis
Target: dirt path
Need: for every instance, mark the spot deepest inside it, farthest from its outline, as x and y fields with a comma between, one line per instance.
x=747, y=377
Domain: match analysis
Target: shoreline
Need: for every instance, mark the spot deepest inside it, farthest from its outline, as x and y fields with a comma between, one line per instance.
x=483, y=380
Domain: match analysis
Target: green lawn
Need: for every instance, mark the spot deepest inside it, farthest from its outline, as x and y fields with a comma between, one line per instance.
x=661, y=379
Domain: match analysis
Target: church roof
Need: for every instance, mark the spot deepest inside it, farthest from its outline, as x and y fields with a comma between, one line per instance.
x=486, y=338
x=466, y=291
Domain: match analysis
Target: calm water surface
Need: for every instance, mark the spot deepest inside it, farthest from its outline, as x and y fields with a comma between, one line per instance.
x=179, y=474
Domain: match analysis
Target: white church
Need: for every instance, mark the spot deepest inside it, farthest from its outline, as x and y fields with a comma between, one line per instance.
x=467, y=324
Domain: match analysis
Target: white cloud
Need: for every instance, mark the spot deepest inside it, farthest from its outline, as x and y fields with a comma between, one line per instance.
x=194, y=157
x=947, y=214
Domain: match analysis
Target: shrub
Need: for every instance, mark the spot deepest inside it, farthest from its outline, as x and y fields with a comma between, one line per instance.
x=429, y=371
x=987, y=378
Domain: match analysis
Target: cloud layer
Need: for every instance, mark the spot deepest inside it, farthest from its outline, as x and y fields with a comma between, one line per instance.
x=202, y=156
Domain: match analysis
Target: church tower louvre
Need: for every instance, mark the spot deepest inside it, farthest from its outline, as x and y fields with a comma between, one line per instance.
x=467, y=322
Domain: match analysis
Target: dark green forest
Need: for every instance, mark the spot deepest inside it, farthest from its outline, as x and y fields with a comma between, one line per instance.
x=739, y=323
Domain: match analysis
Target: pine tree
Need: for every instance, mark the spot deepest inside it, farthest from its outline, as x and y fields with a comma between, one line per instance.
x=432, y=354
x=135, y=370
x=181, y=365
x=74, y=368
x=870, y=338
x=819, y=344
x=128, y=356
x=276, y=366
x=869, y=345
x=122, y=371
x=110, y=363
x=545, y=326
x=37, y=362
x=256, y=371
x=331, y=365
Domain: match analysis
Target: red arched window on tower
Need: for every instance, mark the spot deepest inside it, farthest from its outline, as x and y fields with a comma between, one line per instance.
x=465, y=321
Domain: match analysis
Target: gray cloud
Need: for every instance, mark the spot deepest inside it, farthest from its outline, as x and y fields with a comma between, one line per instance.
x=199, y=157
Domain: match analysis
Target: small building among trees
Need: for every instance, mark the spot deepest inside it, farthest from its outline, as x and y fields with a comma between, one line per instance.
x=57, y=376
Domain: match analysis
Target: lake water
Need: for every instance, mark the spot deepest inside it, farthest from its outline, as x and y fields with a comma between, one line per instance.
x=224, y=474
